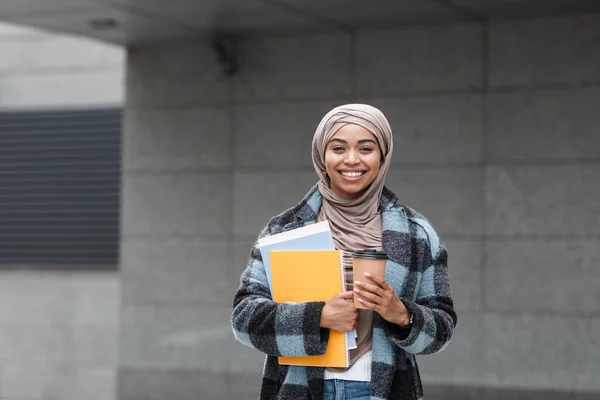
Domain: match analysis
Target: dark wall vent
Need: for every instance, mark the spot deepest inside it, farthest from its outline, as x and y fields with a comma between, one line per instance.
x=59, y=188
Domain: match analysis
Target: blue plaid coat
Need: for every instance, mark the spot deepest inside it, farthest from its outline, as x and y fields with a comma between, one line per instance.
x=417, y=270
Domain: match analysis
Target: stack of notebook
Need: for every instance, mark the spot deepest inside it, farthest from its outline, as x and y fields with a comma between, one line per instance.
x=302, y=265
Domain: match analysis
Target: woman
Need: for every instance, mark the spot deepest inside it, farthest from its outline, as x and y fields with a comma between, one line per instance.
x=409, y=313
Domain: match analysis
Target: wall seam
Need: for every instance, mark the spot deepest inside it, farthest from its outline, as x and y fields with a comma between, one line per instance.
x=368, y=96
x=484, y=159
x=233, y=132
x=354, y=65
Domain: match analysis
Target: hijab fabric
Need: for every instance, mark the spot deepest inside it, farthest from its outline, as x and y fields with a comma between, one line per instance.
x=355, y=223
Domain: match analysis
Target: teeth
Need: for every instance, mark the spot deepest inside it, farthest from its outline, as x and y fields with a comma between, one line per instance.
x=352, y=174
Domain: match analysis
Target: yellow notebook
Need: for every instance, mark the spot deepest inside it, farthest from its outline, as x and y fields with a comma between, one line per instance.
x=311, y=275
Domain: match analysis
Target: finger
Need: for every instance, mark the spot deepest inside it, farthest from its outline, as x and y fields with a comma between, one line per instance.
x=345, y=295
x=369, y=288
x=370, y=297
x=379, y=281
x=368, y=304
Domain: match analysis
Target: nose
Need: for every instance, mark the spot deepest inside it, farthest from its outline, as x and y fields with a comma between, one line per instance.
x=352, y=158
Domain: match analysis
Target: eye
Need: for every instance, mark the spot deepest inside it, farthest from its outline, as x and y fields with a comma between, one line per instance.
x=366, y=149
x=338, y=148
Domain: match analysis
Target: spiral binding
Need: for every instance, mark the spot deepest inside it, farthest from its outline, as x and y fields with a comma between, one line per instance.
x=345, y=260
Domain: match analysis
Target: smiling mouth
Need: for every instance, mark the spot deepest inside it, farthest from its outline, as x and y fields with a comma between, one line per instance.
x=352, y=175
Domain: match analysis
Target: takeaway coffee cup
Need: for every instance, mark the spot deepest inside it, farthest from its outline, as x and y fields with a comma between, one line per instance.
x=369, y=260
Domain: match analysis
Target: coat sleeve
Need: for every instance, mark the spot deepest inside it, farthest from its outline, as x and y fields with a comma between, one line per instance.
x=433, y=312
x=287, y=329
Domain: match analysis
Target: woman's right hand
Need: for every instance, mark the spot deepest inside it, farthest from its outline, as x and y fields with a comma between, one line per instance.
x=339, y=313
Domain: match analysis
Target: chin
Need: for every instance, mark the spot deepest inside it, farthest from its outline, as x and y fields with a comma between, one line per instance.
x=350, y=193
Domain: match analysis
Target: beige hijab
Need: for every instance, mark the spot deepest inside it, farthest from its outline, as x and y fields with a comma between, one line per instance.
x=355, y=223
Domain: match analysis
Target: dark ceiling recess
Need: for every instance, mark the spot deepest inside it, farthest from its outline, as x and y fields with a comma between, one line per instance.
x=130, y=23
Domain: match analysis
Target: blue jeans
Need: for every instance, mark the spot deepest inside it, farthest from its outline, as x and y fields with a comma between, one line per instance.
x=338, y=389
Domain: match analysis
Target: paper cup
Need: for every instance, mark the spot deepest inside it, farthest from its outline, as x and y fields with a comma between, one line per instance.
x=371, y=261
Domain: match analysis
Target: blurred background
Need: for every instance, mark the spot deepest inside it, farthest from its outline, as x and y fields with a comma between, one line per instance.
x=144, y=144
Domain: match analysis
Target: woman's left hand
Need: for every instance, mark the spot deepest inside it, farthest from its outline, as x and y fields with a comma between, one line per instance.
x=378, y=295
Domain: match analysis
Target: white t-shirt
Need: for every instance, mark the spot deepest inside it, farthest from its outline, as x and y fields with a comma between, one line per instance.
x=359, y=371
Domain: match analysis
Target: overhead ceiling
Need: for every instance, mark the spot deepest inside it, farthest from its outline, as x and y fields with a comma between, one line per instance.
x=131, y=22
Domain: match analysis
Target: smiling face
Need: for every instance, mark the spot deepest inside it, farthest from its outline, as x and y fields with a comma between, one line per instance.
x=352, y=161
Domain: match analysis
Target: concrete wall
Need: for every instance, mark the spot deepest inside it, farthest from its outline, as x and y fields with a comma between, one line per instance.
x=58, y=335
x=42, y=70
x=58, y=330
x=496, y=142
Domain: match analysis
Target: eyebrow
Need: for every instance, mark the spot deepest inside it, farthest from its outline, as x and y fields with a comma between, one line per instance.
x=359, y=142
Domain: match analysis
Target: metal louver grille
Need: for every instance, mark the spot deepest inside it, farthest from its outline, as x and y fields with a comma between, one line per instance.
x=59, y=188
